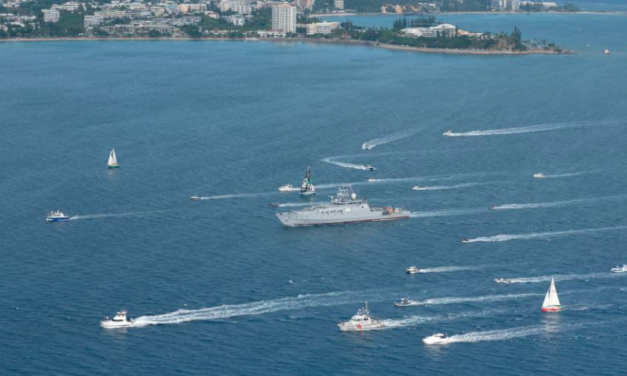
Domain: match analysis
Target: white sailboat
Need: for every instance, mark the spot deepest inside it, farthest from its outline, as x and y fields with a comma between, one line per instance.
x=551, y=300
x=307, y=188
x=113, y=160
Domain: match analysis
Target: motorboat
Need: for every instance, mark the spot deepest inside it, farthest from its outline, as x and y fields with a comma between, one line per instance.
x=369, y=168
x=405, y=302
x=464, y=240
x=502, y=280
x=57, y=216
x=606, y=52
x=372, y=180
x=119, y=321
x=416, y=188
x=551, y=300
x=113, y=160
x=436, y=339
x=361, y=321
x=447, y=133
x=286, y=188
x=412, y=270
x=307, y=188
x=274, y=205
x=493, y=207
x=195, y=198
x=366, y=146
x=539, y=175
x=620, y=269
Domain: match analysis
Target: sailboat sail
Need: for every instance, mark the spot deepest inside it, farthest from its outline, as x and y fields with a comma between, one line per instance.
x=113, y=160
x=551, y=299
x=307, y=186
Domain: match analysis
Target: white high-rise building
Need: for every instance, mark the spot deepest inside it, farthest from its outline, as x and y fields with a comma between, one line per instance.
x=284, y=18
x=338, y=4
x=51, y=15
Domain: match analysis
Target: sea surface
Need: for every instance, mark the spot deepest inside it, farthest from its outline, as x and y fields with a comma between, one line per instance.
x=219, y=287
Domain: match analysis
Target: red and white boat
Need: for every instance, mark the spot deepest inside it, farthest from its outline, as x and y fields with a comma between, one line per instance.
x=551, y=300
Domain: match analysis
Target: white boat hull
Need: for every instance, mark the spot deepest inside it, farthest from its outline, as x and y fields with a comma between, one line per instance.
x=345, y=327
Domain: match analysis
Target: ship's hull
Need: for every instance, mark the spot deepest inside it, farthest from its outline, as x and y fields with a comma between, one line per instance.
x=58, y=219
x=551, y=309
x=114, y=166
x=301, y=222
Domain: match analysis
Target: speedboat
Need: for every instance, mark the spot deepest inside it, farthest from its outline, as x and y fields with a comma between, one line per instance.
x=361, y=321
x=366, y=146
x=502, y=280
x=447, y=133
x=119, y=321
x=412, y=270
x=195, y=198
x=405, y=302
x=372, y=180
x=538, y=175
x=416, y=188
x=369, y=168
x=436, y=339
x=493, y=207
x=620, y=269
x=286, y=188
x=606, y=52
x=464, y=240
x=57, y=216
x=274, y=205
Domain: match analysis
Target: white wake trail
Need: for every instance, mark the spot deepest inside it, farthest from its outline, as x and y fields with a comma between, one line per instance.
x=540, y=235
x=540, y=205
x=529, y=129
x=446, y=269
x=476, y=299
x=331, y=160
x=420, y=320
x=565, y=277
x=503, y=334
x=387, y=139
x=446, y=213
x=295, y=204
x=114, y=215
x=445, y=187
x=235, y=195
x=258, y=308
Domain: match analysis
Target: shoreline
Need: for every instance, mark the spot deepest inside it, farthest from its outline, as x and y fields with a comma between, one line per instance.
x=303, y=40
x=367, y=14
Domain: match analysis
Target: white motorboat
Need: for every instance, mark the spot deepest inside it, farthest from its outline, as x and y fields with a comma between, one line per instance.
x=620, y=269
x=286, y=188
x=405, y=302
x=113, y=160
x=361, y=321
x=195, y=198
x=412, y=270
x=119, y=321
x=416, y=188
x=366, y=146
x=436, y=339
x=369, y=168
x=57, y=216
x=372, y=180
x=606, y=52
x=502, y=280
x=551, y=300
x=464, y=240
x=447, y=133
x=539, y=175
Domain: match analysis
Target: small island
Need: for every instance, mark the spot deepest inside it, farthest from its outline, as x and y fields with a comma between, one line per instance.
x=246, y=20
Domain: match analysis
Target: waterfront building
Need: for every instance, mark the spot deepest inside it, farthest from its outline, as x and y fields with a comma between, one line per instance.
x=338, y=4
x=322, y=27
x=51, y=15
x=92, y=21
x=284, y=18
x=443, y=30
x=236, y=20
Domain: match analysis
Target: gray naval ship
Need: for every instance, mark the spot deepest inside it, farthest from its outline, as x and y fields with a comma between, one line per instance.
x=343, y=208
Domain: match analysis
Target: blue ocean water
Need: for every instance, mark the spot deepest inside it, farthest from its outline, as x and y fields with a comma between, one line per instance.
x=235, y=293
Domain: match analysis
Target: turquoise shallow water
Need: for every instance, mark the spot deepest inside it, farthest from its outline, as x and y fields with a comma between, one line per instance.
x=236, y=120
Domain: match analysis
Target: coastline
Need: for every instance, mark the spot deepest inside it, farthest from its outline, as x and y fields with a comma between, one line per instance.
x=303, y=40
x=584, y=12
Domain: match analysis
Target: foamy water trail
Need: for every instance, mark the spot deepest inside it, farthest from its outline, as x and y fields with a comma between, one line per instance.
x=503, y=334
x=387, y=139
x=447, y=269
x=529, y=129
x=295, y=204
x=420, y=320
x=260, y=307
x=476, y=299
x=114, y=215
x=565, y=277
x=540, y=205
x=540, y=235
x=354, y=166
x=235, y=195
x=446, y=213
x=445, y=187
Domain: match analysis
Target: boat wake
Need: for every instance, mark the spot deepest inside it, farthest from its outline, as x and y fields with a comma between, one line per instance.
x=387, y=139
x=503, y=334
x=241, y=195
x=446, y=269
x=260, y=307
x=354, y=166
x=118, y=215
x=420, y=320
x=540, y=235
x=529, y=129
x=446, y=213
x=565, y=277
x=295, y=204
x=476, y=299
x=445, y=187
x=540, y=205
